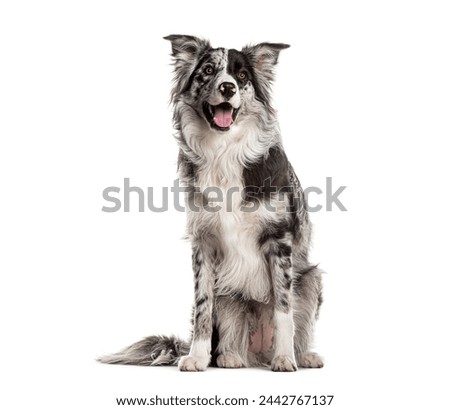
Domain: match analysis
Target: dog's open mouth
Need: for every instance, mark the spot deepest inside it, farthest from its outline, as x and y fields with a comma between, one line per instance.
x=220, y=116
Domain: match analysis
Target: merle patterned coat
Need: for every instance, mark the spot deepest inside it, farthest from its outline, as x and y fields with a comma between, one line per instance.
x=256, y=295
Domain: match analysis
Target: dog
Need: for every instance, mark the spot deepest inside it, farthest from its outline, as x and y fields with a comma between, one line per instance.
x=257, y=297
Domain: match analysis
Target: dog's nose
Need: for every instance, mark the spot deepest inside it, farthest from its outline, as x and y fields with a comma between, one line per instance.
x=227, y=89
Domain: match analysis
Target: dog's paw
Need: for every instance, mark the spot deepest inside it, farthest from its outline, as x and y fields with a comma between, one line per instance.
x=283, y=364
x=229, y=360
x=193, y=364
x=310, y=359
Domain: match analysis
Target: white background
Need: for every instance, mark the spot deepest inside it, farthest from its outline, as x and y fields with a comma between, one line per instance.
x=363, y=96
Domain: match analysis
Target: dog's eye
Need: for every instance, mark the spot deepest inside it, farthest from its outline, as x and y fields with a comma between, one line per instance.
x=242, y=75
x=209, y=70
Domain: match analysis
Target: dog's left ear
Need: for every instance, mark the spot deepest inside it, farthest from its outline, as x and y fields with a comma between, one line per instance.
x=264, y=57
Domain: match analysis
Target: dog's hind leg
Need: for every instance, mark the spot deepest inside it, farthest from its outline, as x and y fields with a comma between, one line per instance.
x=233, y=329
x=307, y=299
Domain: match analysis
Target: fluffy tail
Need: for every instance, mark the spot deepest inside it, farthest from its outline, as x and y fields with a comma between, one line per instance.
x=151, y=351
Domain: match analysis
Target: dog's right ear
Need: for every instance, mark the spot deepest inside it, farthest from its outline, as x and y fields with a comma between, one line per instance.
x=185, y=52
x=186, y=46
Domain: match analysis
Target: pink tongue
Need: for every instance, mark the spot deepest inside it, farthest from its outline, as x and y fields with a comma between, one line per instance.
x=223, y=118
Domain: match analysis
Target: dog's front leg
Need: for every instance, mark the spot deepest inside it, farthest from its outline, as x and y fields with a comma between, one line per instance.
x=280, y=262
x=200, y=352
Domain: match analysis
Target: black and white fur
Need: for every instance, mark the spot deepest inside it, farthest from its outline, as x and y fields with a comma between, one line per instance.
x=250, y=258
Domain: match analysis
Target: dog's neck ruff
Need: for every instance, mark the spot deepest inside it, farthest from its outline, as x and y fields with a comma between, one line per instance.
x=244, y=143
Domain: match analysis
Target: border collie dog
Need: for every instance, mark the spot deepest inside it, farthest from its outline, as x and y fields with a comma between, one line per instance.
x=256, y=295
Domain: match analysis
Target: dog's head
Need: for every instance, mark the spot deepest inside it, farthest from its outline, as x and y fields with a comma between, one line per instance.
x=220, y=84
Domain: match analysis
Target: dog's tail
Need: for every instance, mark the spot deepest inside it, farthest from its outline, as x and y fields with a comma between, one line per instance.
x=151, y=351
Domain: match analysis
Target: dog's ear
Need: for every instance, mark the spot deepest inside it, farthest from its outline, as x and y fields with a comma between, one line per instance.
x=185, y=53
x=186, y=47
x=264, y=57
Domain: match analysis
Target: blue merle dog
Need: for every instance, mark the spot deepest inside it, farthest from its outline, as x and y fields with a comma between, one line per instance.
x=256, y=295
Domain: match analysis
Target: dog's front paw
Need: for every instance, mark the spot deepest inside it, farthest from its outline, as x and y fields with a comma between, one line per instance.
x=310, y=359
x=283, y=364
x=193, y=364
x=229, y=360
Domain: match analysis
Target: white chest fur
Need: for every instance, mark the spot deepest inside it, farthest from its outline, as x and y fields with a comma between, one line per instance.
x=243, y=268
